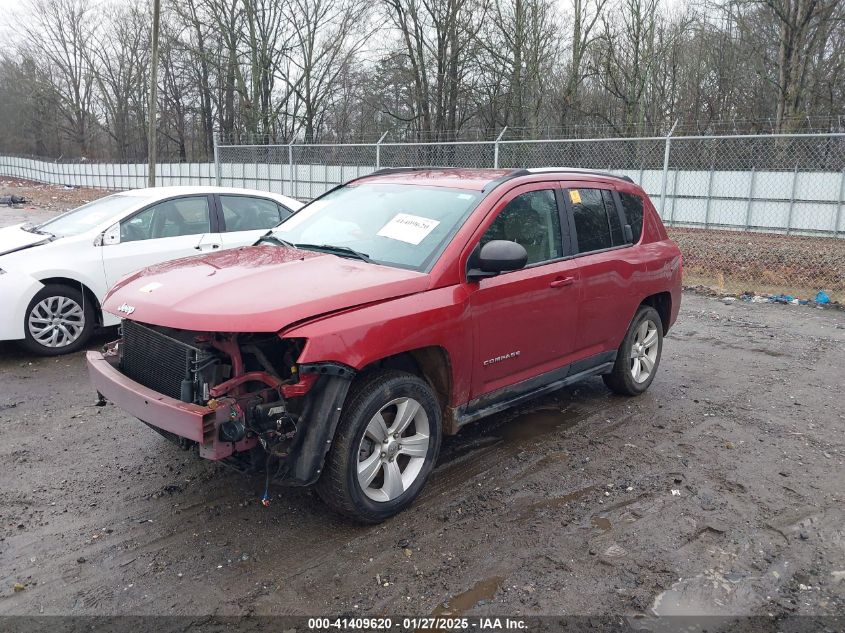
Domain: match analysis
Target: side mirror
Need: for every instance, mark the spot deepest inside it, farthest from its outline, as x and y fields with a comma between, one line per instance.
x=497, y=256
x=110, y=236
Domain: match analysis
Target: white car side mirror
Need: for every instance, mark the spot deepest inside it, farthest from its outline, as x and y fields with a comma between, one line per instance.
x=110, y=236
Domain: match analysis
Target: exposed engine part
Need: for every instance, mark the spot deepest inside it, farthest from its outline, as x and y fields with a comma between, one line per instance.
x=275, y=427
x=268, y=416
x=277, y=443
x=232, y=431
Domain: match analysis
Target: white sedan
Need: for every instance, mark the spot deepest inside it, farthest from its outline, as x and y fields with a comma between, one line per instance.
x=53, y=276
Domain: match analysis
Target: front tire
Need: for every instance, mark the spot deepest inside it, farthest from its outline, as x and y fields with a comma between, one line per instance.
x=385, y=447
x=639, y=354
x=58, y=320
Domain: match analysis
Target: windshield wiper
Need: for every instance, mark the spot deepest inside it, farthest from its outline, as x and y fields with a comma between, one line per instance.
x=269, y=237
x=342, y=251
x=31, y=228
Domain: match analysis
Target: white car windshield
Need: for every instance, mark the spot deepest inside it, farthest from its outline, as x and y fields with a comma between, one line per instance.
x=88, y=216
x=399, y=225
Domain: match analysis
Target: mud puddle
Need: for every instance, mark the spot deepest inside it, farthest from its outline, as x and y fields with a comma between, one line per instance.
x=482, y=591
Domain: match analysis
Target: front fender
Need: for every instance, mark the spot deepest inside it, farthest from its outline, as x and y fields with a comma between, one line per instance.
x=360, y=337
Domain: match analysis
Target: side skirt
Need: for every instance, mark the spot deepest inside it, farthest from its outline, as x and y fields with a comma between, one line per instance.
x=512, y=395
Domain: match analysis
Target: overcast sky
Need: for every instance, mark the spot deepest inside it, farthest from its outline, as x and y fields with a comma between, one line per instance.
x=7, y=10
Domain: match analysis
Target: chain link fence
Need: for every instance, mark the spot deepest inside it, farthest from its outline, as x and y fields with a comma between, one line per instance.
x=749, y=211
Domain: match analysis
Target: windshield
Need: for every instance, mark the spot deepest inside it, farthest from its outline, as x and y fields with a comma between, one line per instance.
x=400, y=225
x=88, y=216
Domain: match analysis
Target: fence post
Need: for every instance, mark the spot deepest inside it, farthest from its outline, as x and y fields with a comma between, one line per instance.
x=378, y=151
x=674, y=198
x=839, y=205
x=666, y=169
x=290, y=170
x=496, y=147
x=750, y=200
x=791, y=200
x=709, y=196
x=217, y=175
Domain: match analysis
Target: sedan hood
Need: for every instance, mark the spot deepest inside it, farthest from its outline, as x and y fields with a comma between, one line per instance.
x=254, y=289
x=14, y=238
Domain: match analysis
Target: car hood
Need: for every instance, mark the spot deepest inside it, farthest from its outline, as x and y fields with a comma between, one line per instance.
x=254, y=289
x=14, y=238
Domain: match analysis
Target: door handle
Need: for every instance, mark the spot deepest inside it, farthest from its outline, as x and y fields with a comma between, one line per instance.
x=561, y=282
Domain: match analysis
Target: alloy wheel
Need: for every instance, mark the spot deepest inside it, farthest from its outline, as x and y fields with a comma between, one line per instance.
x=644, y=351
x=393, y=450
x=56, y=321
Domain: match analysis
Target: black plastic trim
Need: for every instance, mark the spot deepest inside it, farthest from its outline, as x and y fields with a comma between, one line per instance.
x=317, y=424
x=328, y=369
x=510, y=396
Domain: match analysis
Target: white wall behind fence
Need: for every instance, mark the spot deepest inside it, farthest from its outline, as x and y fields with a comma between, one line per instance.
x=800, y=202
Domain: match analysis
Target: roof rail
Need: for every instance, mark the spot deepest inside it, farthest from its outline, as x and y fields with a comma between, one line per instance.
x=579, y=170
x=516, y=173
x=393, y=170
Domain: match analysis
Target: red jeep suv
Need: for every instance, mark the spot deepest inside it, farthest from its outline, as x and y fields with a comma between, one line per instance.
x=392, y=310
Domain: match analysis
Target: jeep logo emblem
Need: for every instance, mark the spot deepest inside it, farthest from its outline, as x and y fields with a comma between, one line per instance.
x=126, y=309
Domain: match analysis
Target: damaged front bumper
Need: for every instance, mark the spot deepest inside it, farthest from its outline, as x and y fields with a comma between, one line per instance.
x=191, y=421
x=302, y=462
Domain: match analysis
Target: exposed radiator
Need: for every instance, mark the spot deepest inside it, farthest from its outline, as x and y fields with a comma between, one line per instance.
x=158, y=361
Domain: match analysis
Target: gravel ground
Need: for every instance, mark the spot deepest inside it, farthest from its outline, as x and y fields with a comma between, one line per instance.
x=718, y=491
x=43, y=201
x=765, y=262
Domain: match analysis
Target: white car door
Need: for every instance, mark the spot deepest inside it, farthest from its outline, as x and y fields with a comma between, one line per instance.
x=246, y=218
x=174, y=228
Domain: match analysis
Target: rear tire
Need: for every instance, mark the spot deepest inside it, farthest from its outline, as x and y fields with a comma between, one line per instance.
x=385, y=447
x=58, y=320
x=638, y=356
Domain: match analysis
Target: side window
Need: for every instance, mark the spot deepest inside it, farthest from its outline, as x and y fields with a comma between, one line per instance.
x=137, y=227
x=171, y=218
x=633, y=206
x=242, y=213
x=616, y=235
x=597, y=224
x=531, y=219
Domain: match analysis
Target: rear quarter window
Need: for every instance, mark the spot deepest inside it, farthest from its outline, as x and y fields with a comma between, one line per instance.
x=632, y=205
x=596, y=219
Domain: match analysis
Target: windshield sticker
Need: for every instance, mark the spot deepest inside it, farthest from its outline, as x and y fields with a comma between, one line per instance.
x=464, y=196
x=408, y=228
x=575, y=196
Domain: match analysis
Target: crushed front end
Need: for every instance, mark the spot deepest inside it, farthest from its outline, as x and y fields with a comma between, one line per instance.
x=239, y=398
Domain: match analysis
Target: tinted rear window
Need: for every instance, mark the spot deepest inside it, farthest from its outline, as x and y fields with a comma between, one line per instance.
x=596, y=220
x=632, y=204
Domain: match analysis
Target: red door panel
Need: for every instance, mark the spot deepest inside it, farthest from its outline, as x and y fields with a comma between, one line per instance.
x=524, y=323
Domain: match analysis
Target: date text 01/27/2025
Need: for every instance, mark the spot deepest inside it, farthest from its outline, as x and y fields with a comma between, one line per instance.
x=419, y=624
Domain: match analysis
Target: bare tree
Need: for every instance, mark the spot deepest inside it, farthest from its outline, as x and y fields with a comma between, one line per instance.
x=801, y=26
x=118, y=61
x=438, y=37
x=326, y=35
x=59, y=35
x=74, y=82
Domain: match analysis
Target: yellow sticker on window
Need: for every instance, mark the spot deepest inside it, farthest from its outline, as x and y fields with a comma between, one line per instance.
x=575, y=196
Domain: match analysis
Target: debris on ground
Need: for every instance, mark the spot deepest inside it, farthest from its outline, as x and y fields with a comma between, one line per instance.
x=41, y=197
x=12, y=199
x=821, y=299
